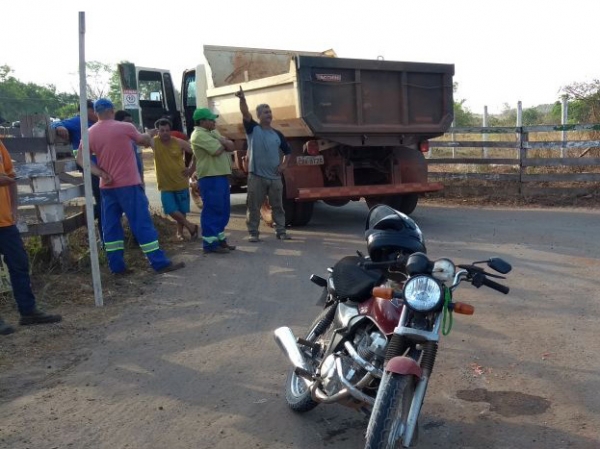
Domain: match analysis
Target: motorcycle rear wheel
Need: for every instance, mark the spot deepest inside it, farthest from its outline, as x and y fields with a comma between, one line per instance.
x=297, y=394
x=390, y=412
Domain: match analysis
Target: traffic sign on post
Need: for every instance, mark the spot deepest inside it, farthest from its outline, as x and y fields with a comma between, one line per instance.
x=129, y=90
x=131, y=99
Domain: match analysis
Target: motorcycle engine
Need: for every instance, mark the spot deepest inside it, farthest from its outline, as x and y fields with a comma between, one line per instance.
x=370, y=345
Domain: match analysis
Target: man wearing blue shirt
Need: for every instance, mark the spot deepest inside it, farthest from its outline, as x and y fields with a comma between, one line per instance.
x=268, y=155
x=70, y=129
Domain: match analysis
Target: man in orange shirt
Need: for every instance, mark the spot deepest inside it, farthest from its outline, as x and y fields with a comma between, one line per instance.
x=13, y=251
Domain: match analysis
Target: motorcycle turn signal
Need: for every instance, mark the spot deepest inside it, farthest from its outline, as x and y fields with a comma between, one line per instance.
x=383, y=292
x=462, y=308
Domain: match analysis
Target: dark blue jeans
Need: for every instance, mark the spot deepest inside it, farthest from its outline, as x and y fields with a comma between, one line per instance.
x=17, y=260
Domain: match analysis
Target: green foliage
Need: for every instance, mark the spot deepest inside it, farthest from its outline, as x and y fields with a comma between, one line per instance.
x=463, y=117
x=98, y=75
x=584, y=101
x=18, y=98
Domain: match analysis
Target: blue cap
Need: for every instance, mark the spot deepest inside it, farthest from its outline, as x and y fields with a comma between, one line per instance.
x=103, y=104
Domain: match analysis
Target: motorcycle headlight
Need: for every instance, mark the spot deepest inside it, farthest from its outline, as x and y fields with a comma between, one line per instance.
x=423, y=294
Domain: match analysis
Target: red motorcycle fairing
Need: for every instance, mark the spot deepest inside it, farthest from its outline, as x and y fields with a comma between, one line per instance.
x=383, y=312
x=404, y=365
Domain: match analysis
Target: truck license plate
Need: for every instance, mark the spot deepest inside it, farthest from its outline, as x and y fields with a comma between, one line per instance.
x=310, y=160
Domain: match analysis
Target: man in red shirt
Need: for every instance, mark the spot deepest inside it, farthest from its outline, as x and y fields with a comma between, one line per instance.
x=13, y=251
x=121, y=190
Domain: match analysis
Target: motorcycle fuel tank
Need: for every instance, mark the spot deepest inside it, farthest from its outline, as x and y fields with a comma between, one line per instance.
x=384, y=312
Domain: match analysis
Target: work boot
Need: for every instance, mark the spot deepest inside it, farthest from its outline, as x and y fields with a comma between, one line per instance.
x=39, y=317
x=217, y=250
x=171, y=267
x=5, y=329
x=224, y=244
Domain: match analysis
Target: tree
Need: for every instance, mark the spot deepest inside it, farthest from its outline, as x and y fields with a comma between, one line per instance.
x=98, y=76
x=18, y=98
x=583, y=100
x=463, y=117
x=114, y=92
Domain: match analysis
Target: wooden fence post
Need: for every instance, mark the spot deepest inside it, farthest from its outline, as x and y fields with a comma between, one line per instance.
x=522, y=139
x=484, y=150
x=39, y=126
x=564, y=119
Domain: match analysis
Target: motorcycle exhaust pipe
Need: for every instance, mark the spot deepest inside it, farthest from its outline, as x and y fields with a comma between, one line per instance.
x=286, y=340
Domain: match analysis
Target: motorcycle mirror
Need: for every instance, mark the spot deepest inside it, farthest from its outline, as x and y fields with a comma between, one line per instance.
x=499, y=265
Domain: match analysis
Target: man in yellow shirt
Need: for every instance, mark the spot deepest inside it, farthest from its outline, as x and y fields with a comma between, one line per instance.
x=213, y=167
x=172, y=176
x=13, y=251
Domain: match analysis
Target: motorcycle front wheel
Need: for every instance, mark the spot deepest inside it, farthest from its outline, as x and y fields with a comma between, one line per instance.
x=297, y=394
x=390, y=412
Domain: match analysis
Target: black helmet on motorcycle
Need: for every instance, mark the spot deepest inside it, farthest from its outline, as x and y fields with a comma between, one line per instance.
x=390, y=233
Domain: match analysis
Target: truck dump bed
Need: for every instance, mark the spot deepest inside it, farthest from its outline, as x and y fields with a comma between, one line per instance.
x=312, y=94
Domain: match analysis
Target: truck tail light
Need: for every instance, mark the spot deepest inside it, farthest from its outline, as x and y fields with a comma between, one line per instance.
x=424, y=146
x=311, y=147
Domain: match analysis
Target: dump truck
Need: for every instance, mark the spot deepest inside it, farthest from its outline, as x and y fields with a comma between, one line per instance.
x=357, y=128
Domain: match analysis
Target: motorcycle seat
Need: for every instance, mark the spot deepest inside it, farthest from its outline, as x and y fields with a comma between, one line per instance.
x=353, y=282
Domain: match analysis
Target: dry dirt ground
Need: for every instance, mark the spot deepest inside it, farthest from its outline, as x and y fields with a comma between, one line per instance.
x=179, y=360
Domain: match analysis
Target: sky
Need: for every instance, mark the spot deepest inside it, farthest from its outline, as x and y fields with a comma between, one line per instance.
x=503, y=51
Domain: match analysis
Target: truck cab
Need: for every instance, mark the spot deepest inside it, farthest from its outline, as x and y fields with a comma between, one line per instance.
x=149, y=94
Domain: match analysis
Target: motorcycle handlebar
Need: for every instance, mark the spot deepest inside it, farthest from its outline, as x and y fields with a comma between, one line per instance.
x=496, y=286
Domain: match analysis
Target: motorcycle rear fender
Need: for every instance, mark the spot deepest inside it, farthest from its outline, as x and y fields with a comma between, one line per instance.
x=404, y=365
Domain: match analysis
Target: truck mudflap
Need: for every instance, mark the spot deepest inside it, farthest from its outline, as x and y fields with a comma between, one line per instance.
x=320, y=193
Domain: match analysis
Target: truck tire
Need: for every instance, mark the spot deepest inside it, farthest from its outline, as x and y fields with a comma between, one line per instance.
x=336, y=203
x=298, y=213
x=409, y=203
x=374, y=201
x=403, y=203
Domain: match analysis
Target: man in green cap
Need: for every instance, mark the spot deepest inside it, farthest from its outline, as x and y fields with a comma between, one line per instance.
x=213, y=167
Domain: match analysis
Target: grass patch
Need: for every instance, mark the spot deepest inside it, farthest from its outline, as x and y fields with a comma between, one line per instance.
x=56, y=284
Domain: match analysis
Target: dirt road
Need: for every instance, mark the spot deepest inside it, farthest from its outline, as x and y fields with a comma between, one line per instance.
x=191, y=363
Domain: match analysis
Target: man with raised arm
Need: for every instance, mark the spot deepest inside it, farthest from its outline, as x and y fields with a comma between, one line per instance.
x=266, y=146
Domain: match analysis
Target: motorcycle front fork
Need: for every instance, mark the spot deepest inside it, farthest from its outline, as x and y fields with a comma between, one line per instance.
x=427, y=362
x=397, y=347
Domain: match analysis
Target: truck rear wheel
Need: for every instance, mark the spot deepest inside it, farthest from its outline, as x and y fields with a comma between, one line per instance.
x=300, y=213
x=403, y=203
x=296, y=213
x=374, y=201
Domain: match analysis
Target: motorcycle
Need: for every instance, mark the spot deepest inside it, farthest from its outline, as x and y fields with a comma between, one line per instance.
x=374, y=345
